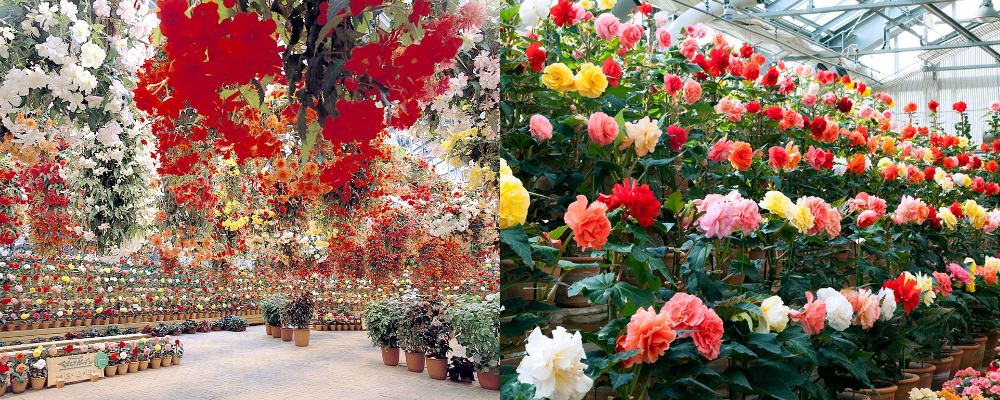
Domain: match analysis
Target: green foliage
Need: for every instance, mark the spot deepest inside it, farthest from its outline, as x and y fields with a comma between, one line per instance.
x=382, y=319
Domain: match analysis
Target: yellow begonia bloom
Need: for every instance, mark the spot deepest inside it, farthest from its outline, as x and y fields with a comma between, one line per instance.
x=947, y=218
x=504, y=168
x=775, y=202
x=558, y=77
x=514, y=202
x=590, y=81
x=645, y=134
x=606, y=4
x=157, y=347
x=868, y=92
x=587, y=4
x=800, y=217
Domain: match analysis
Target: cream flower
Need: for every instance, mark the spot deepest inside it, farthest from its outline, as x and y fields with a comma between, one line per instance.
x=839, y=312
x=775, y=315
x=553, y=365
x=644, y=134
x=887, y=303
x=947, y=218
x=775, y=202
x=800, y=217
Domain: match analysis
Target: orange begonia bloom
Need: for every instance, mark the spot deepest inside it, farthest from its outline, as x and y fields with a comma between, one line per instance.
x=742, y=156
x=590, y=225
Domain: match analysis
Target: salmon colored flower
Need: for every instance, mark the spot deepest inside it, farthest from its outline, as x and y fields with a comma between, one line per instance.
x=777, y=157
x=943, y=283
x=590, y=225
x=742, y=156
x=649, y=332
x=721, y=150
x=685, y=311
x=813, y=315
x=602, y=128
x=708, y=335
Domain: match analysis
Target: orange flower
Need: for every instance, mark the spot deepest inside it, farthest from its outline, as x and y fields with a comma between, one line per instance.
x=280, y=163
x=888, y=146
x=911, y=107
x=590, y=225
x=857, y=164
x=649, y=332
x=857, y=138
x=284, y=174
x=742, y=156
x=794, y=156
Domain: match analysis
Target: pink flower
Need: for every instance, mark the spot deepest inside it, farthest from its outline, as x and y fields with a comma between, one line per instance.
x=865, y=112
x=602, y=128
x=685, y=312
x=777, y=157
x=867, y=218
x=708, y=335
x=607, y=26
x=910, y=210
x=663, y=38
x=864, y=201
x=820, y=211
x=688, y=47
x=678, y=136
x=719, y=217
x=829, y=98
x=809, y=100
x=692, y=91
x=696, y=31
x=721, y=150
x=959, y=274
x=995, y=106
x=672, y=84
x=944, y=283
x=590, y=225
x=747, y=214
x=649, y=332
x=580, y=13
x=833, y=229
x=816, y=157
x=866, y=307
x=813, y=315
x=630, y=35
x=803, y=70
x=540, y=128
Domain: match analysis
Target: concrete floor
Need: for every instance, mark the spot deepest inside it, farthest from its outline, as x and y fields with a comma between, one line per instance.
x=243, y=365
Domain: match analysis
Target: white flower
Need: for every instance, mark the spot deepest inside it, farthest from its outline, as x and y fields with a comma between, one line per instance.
x=44, y=17
x=53, y=48
x=838, y=312
x=40, y=364
x=775, y=315
x=826, y=293
x=102, y=8
x=532, y=11
x=553, y=365
x=887, y=303
x=109, y=134
x=81, y=31
x=470, y=38
x=92, y=55
x=661, y=18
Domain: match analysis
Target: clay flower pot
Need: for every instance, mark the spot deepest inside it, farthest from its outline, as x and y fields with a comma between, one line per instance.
x=143, y=365
x=390, y=356
x=18, y=387
x=883, y=390
x=942, y=371
x=981, y=340
x=301, y=337
x=925, y=371
x=155, y=364
x=165, y=362
x=267, y=329
x=122, y=369
x=903, y=386
x=276, y=332
x=992, y=337
x=176, y=360
x=286, y=334
x=110, y=370
x=414, y=361
x=853, y=396
x=956, y=354
x=37, y=383
x=969, y=354
x=133, y=367
x=437, y=368
x=489, y=380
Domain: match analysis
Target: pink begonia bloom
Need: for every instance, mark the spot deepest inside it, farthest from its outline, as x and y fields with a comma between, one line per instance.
x=661, y=18
x=803, y=70
x=959, y=274
x=786, y=86
x=910, y=210
x=719, y=40
x=721, y=150
x=829, y=98
x=820, y=211
x=867, y=218
x=887, y=114
x=992, y=221
x=672, y=84
x=648, y=331
x=864, y=201
x=540, y=127
x=602, y=128
x=685, y=312
x=833, y=228
x=865, y=112
x=580, y=13
x=813, y=315
x=607, y=26
x=719, y=217
x=809, y=100
x=630, y=35
x=688, y=47
x=747, y=213
x=816, y=157
x=943, y=283
x=663, y=38
x=697, y=31
x=692, y=91
x=708, y=335
x=995, y=106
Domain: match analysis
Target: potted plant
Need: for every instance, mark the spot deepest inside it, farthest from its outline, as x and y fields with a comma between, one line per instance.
x=461, y=369
x=411, y=329
x=178, y=349
x=204, y=326
x=300, y=311
x=177, y=329
x=190, y=326
x=134, y=358
x=477, y=325
x=437, y=336
x=124, y=358
x=269, y=310
x=19, y=377
x=38, y=372
x=217, y=325
x=237, y=324
x=382, y=318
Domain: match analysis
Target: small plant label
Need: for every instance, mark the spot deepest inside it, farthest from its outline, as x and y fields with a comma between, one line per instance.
x=76, y=367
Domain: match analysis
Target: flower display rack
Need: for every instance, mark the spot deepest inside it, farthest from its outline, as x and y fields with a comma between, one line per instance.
x=27, y=335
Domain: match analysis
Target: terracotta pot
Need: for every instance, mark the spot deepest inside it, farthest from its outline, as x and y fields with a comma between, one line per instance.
x=956, y=355
x=981, y=340
x=525, y=290
x=38, y=383
x=414, y=361
x=992, y=337
x=216, y=328
x=883, y=390
x=177, y=333
x=110, y=370
x=489, y=380
x=165, y=361
x=276, y=332
x=87, y=322
x=925, y=371
x=286, y=334
x=34, y=325
x=143, y=365
x=572, y=276
x=77, y=322
x=155, y=363
x=176, y=360
x=390, y=356
x=942, y=371
x=903, y=386
x=18, y=387
x=192, y=331
x=122, y=369
x=853, y=396
x=267, y=329
x=133, y=367
x=301, y=337
x=969, y=355
x=437, y=368
x=45, y=324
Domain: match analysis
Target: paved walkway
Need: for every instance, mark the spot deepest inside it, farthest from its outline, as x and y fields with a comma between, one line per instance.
x=244, y=365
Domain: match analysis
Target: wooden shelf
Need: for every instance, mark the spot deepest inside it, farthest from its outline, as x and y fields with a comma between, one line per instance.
x=9, y=336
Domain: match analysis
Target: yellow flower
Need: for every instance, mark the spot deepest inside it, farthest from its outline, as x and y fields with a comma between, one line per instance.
x=645, y=134
x=971, y=287
x=322, y=243
x=800, y=217
x=606, y=4
x=476, y=176
x=24, y=316
x=963, y=142
x=947, y=218
x=558, y=77
x=587, y=4
x=868, y=92
x=157, y=347
x=504, y=169
x=590, y=81
x=775, y=202
x=37, y=352
x=513, y=202
x=65, y=279
x=883, y=162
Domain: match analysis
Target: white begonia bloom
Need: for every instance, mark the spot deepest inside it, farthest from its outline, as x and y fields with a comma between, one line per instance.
x=80, y=31
x=92, y=55
x=89, y=236
x=53, y=48
x=102, y=8
x=826, y=293
x=661, y=18
x=109, y=134
x=839, y=166
x=887, y=303
x=44, y=17
x=775, y=315
x=532, y=12
x=839, y=312
x=553, y=365
x=68, y=9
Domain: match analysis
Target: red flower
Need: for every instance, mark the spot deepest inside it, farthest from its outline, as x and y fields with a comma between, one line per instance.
x=637, y=199
x=929, y=174
x=68, y=349
x=933, y=106
x=678, y=136
x=177, y=341
x=746, y=51
x=536, y=56
x=751, y=71
x=960, y=106
x=358, y=122
x=932, y=219
x=957, y=210
x=770, y=78
x=906, y=292
x=775, y=113
x=990, y=166
x=845, y=104
x=359, y=6
x=911, y=107
x=613, y=71
x=753, y=107
x=818, y=127
x=135, y=351
x=645, y=8
x=562, y=13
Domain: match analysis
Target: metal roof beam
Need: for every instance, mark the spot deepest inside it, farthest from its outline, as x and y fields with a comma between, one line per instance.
x=918, y=48
x=973, y=39
x=961, y=67
x=849, y=7
x=870, y=31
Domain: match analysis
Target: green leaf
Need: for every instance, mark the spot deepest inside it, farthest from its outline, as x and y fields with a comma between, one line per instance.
x=776, y=388
x=651, y=163
x=517, y=240
x=674, y=203
x=602, y=288
x=766, y=341
x=618, y=380
x=508, y=14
